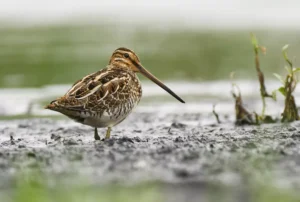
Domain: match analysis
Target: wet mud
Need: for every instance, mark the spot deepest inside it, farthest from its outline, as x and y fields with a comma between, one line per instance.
x=178, y=151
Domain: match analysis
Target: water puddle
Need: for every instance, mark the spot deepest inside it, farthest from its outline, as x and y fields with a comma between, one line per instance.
x=199, y=97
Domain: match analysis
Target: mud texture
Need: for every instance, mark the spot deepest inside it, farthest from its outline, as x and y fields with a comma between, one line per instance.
x=175, y=150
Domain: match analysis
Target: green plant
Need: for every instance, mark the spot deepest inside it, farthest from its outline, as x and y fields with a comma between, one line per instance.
x=263, y=92
x=289, y=84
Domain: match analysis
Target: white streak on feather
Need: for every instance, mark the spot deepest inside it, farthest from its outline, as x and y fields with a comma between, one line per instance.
x=106, y=93
x=74, y=87
x=116, y=89
x=101, y=75
x=91, y=92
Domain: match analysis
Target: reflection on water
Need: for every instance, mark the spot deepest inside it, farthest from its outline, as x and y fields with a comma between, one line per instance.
x=199, y=98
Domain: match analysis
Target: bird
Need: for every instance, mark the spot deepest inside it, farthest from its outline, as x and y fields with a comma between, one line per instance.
x=105, y=98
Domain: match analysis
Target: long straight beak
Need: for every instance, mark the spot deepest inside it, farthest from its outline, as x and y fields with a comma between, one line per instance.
x=158, y=82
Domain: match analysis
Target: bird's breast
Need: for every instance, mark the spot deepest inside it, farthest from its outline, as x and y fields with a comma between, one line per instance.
x=112, y=116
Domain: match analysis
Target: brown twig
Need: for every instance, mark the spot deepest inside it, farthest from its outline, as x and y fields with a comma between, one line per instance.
x=216, y=114
x=243, y=117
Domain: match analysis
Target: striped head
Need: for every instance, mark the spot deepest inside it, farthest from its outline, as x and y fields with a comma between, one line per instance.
x=127, y=59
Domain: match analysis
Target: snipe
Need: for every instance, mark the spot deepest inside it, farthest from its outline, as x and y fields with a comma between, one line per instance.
x=105, y=98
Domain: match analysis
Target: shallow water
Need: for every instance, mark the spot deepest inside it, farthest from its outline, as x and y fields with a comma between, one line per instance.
x=199, y=97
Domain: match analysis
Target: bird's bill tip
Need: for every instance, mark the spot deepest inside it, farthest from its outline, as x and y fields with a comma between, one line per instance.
x=182, y=101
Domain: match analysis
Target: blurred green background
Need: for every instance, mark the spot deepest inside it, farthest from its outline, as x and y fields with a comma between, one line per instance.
x=33, y=56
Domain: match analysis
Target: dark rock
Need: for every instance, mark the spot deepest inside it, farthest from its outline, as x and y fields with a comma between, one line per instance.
x=178, y=139
x=31, y=155
x=125, y=139
x=292, y=129
x=70, y=142
x=23, y=125
x=178, y=125
x=55, y=137
x=182, y=173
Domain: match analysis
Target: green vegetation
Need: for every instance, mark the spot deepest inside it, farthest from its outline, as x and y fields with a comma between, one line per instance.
x=290, y=112
x=36, y=56
x=33, y=189
x=269, y=193
x=263, y=92
x=289, y=84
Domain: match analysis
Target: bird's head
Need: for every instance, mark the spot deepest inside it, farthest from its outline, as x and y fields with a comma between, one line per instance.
x=126, y=58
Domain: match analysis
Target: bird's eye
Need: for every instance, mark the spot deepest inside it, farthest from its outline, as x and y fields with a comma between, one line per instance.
x=126, y=55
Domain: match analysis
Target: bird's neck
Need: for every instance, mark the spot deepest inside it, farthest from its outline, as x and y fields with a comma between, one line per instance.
x=121, y=64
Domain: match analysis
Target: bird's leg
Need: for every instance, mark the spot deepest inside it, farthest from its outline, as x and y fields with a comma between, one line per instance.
x=107, y=136
x=96, y=136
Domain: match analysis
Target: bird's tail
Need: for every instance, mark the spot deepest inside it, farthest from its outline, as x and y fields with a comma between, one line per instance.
x=52, y=106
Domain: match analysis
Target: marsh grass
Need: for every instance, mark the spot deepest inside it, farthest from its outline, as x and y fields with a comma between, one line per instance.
x=36, y=56
x=260, y=75
x=290, y=112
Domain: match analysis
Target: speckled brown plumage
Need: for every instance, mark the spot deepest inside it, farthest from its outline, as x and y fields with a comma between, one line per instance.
x=105, y=98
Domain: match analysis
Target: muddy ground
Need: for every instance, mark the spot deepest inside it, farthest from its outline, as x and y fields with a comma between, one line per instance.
x=176, y=150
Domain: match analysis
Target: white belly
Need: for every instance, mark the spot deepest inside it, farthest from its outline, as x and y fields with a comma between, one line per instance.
x=109, y=119
x=104, y=121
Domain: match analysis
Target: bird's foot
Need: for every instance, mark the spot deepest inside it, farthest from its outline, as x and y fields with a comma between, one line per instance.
x=96, y=136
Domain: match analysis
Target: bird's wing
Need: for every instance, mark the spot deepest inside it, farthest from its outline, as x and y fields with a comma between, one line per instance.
x=98, y=91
